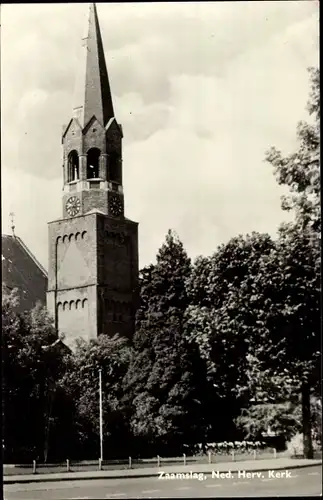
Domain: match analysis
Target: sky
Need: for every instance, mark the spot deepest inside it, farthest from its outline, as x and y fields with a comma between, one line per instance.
x=202, y=90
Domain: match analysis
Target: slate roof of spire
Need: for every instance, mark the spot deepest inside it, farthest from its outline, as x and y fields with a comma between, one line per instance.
x=92, y=91
x=20, y=269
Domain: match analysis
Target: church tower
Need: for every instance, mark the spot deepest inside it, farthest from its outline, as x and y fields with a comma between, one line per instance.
x=93, y=248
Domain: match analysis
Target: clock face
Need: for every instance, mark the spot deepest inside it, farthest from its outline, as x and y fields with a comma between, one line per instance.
x=73, y=206
x=115, y=206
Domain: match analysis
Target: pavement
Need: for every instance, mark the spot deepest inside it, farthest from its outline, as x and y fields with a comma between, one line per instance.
x=301, y=481
x=207, y=469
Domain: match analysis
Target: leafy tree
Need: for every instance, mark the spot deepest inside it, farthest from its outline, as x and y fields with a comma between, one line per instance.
x=289, y=285
x=271, y=404
x=12, y=376
x=146, y=291
x=281, y=418
x=166, y=382
x=316, y=413
x=300, y=171
x=80, y=384
x=222, y=318
x=28, y=370
x=296, y=263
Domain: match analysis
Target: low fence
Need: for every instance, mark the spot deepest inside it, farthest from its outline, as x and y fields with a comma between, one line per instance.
x=135, y=463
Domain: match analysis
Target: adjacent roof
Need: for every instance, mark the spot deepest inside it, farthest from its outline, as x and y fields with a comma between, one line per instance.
x=92, y=92
x=21, y=270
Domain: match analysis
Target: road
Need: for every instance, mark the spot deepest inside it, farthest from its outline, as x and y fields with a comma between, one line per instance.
x=303, y=482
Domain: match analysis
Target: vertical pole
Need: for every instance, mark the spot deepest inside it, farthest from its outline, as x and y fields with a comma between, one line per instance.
x=67, y=465
x=130, y=463
x=56, y=286
x=184, y=457
x=158, y=461
x=34, y=466
x=101, y=415
x=232, y=455
x=210, y=457
x=275, y=453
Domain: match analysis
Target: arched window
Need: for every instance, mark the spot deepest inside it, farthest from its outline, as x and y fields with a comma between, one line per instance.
x=73, y=166
x=114, y=167
x=93, y=158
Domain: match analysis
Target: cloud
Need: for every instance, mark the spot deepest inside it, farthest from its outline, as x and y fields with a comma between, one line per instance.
x=207, y=191
x=34, y=202
x=201, y=89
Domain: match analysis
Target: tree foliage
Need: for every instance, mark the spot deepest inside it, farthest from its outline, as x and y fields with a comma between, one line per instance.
x=30, y=363
x=222, y=318
x=166, y=376
x=300, y=171
x=226, y=347
x=80, y=384
x=298, y=253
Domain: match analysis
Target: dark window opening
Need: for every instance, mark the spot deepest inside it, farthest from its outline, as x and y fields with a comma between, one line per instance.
x=115, y=168
x=93, y=158
x=73, y=166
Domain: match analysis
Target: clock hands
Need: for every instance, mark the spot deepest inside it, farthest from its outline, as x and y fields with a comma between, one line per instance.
x=73, y=205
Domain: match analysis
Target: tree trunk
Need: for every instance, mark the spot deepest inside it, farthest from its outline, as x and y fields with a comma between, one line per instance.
x=306, y=421
x=48, y=421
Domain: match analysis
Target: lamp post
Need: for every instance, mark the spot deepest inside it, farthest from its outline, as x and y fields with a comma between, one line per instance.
x=101, y=414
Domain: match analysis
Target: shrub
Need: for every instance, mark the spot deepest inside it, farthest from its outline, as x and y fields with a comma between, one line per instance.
x=227, y=447
x=295, y=445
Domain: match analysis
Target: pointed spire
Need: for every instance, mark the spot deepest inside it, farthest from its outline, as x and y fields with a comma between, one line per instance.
x=93, y=95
